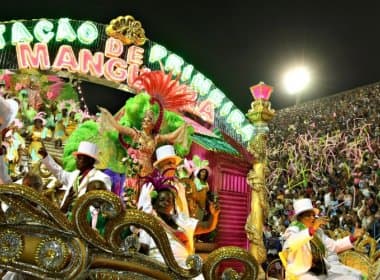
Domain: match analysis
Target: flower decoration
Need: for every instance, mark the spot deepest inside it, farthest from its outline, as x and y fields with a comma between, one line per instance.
x=131, y=162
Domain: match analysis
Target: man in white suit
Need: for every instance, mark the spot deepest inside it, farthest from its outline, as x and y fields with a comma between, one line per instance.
x=307, y=249
x=75, y=182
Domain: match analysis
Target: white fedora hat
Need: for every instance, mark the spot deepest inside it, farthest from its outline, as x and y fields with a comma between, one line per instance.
x=303, y=205
x=165, y=153
x=88, y=149
x=8, y=111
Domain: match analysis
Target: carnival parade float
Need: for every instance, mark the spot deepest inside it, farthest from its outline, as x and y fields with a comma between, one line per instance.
x=46, y=64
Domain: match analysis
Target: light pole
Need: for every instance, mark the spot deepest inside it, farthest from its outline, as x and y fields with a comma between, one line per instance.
x=259, y=115
x=296, y=80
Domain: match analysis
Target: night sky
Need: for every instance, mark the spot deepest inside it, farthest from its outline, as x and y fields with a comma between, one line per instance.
x=239, y=44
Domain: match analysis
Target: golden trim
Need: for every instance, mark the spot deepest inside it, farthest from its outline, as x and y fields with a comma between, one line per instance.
x=106, y=257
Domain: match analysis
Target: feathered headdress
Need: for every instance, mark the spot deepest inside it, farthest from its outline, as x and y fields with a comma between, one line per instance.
x=159, y=181
x=200, y=164
x=168, y=93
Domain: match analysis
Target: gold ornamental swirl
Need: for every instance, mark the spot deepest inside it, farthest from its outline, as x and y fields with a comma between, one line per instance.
x=153, y=227
x=81, y=208
x=127, y=29
x=136, y=267
x=25, y=200
x=230, y=253
x=260, y=112
x=258, y=147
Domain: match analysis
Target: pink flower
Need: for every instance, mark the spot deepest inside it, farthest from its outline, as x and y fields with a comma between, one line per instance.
x=130, y=183
x=133, y=153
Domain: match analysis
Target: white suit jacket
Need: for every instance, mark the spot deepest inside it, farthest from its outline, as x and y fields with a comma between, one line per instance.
x=297, y=245
x=68, y=178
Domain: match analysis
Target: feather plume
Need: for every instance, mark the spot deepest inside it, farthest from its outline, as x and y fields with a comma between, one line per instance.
x=169, y=92
x=159, y=181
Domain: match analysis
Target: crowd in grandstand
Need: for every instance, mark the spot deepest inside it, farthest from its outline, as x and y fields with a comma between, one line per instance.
x=327, y=150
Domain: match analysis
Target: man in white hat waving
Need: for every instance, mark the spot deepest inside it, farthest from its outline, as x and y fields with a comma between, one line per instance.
x=8, y=112
x=307, y=252
x=75, y=182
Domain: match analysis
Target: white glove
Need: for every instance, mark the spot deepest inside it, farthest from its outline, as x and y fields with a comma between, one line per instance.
x=94, y=217
x=145, y=201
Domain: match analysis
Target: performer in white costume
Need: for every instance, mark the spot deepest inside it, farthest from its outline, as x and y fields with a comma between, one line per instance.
x=75, y=182
x=308, y=252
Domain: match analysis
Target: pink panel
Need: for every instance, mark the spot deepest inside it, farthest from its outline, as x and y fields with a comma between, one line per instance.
x=234, y=201
x=228, y=178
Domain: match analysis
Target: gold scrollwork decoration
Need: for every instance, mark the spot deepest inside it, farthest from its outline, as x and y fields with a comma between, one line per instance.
x=258, y=147
x=127, y=29
x=152, y=226
x=136, y=266
x=25, y=199
x=49, y=253
x=210, y=267
x=260, y=112
x=80, y=211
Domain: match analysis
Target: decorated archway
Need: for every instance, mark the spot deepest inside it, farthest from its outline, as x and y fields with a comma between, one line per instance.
x=112, y=55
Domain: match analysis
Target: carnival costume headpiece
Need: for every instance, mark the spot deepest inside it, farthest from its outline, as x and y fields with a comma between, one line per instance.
x=303, y=205
x=40, y=116
x=88, y=149
x=166, y=153
x=200, y=164
x=168, y=93
x=159, y=181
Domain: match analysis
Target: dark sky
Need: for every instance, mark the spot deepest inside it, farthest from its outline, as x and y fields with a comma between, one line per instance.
x=242, y=43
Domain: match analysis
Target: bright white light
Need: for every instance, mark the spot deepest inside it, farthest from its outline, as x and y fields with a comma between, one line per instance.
x=296, y=79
